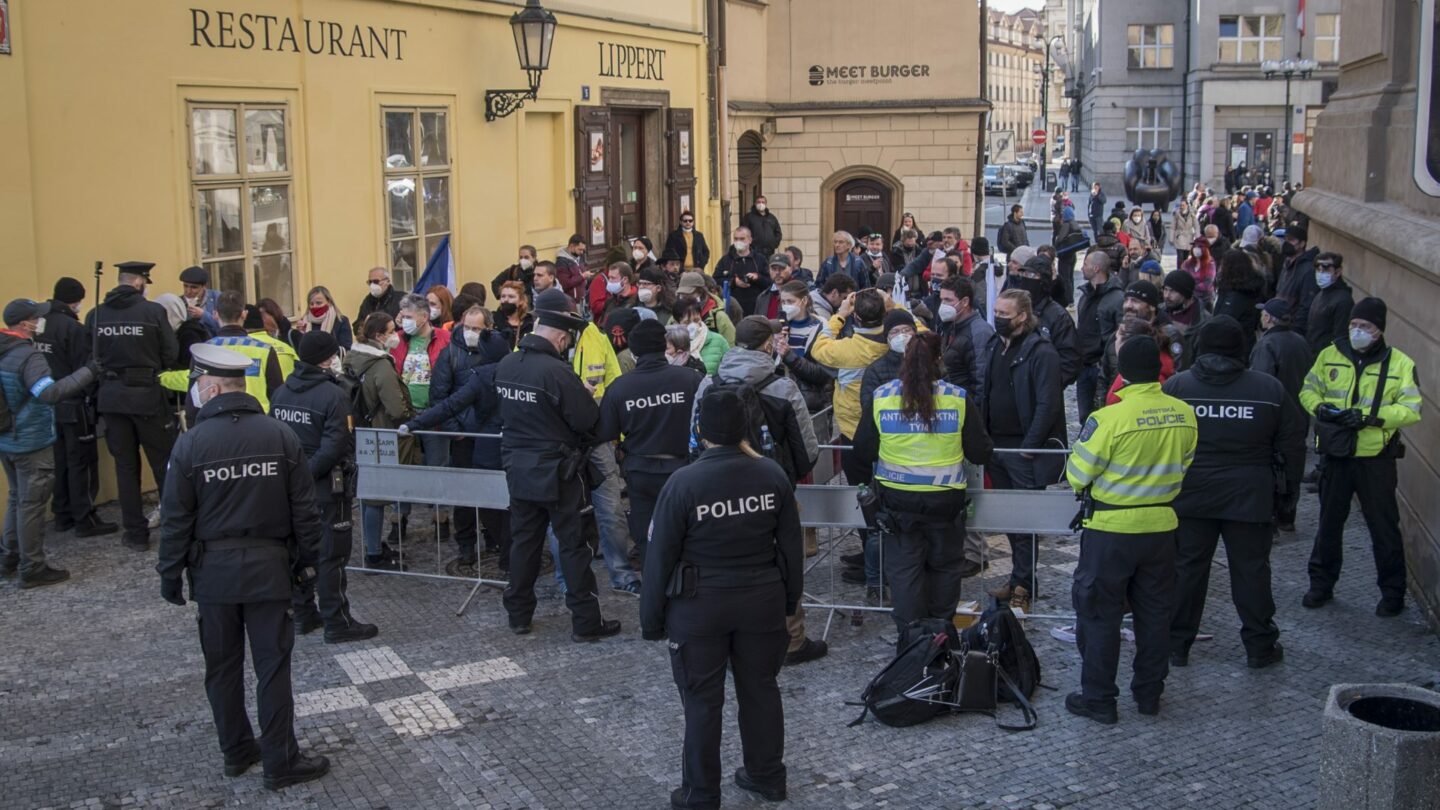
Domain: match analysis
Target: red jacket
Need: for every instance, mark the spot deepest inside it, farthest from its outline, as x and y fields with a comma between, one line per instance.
x=439, y=339
x=1167, y=368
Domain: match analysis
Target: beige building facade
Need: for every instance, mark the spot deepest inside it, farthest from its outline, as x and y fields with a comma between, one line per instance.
x=1014, y=78
x=840, y=131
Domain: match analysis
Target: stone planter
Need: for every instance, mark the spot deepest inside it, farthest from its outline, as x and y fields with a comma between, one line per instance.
x=1381, y=748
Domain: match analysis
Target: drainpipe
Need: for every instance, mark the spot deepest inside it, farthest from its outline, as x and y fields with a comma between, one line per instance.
x=979, y=229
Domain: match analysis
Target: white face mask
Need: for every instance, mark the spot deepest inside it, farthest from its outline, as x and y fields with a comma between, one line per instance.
x=899, y=342
x=613, y=287
x=472, y=337
x=760, y=207
x=1135, y=218
x=947, y=312
x=434, y=313
x=645, y=295
x=697, y=333
x=336, y=365
x=741, y=247
x=376, y=290
x=526, y=264
x=875, y=253
x=196, y=398
x=1197, y=252
x=639, y=254
x=392, y=341
x=39, y=327
x=1322, y=280
x=409, y=325
x=1360, y=340
x=793, y=311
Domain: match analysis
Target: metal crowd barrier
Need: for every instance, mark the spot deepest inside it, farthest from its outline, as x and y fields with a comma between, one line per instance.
x=381, y=477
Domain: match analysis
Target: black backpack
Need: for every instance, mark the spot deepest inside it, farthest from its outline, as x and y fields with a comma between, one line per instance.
x=354, y=388
x=1000, y=634
x=915, y=686
x=765, y=416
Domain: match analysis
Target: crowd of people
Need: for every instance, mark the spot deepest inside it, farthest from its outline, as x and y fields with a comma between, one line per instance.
x=692, y=393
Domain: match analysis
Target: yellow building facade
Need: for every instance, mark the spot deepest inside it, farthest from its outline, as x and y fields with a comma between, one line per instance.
x=285, y=144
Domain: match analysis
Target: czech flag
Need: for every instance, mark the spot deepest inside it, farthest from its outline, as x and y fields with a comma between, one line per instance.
x=439, y=270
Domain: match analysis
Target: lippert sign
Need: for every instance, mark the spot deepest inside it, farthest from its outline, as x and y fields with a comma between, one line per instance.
x=865, y=74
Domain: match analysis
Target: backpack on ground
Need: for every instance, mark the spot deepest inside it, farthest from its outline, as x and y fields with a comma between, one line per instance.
x=1001, y=634
x=917, y=684
x=764, y=417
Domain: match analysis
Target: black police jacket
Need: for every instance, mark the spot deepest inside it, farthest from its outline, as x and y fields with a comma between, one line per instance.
x=549, y=419
x=237, y=475
x=136, y=344
x=1249, y=428
x=314, y=405
x=66, y=346
x=650, y=407
x=735, y=519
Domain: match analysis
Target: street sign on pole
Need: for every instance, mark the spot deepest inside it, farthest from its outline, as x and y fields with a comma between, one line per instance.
x=1002, y=146
x=1038, y=137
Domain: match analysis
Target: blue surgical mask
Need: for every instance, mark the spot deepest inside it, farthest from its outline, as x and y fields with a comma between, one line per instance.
x=1323, y=279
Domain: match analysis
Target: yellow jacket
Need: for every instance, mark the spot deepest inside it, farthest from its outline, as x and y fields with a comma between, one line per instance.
x=283, y=351
x=1332, y=381
x=595, y=359
x=850, y=357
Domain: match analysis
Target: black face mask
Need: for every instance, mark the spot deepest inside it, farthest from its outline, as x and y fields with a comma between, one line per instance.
x=1004, y=327
x=1289, y=249
x=506, y=310
x=1037, y=287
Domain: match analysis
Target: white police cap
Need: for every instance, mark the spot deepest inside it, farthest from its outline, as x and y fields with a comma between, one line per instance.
x=217, y=361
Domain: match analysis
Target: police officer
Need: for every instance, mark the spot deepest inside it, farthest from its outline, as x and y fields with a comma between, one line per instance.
x=239, y=516
x=265, y=375
x=650, y=408
x=549, y=417
x=66, y=344
x=725, y=567
x=1249, y=430
x=134, y=344
x=919, y=433
x=1345, y=392
x=315, y=405
x=1128, y=466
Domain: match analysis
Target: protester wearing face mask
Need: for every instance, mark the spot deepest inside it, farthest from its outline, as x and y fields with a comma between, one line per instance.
x=964, y=335
x=322, y=315
x=1201, y=267
x=677, y=349
x=463, y=400
x=704, y=342
x=1137, y=229
x=1364, y=392
x=1297, y=282
x=386, y=400
x=1024, y=408
x=382, y=297
x=522, y=271
x=415, y=358
x=693, y=286
x=438, y=301
x=316, y=407
x=743, y=269
x=200, y=299
x=764, y=228
x=1053, y=320
x=652, y=293
x=613, y=290
x=687, y=244
x=801, y=328
x=513, y=318
x=1330, y=310
x=26, y=453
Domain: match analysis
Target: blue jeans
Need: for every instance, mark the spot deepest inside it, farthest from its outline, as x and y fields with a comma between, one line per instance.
x=372, y=524
x=609, y=520
x=1087, y=388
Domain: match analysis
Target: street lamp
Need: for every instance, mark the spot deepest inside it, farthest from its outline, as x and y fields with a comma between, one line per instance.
x=1288, y=69
x=534, y=30
x=1045, y=109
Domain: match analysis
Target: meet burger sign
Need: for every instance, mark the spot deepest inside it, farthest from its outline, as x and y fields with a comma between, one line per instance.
x=865, y=74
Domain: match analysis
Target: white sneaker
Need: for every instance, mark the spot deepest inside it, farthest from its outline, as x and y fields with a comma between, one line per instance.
x=1065, y=633
x=154, y=518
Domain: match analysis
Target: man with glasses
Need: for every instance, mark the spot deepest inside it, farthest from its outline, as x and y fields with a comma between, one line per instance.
x=1330, y=310
x=687, y=244
x=382, y=297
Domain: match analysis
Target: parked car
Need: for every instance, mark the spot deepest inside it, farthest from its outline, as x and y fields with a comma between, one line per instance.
x=999, y=179
x=1024, y=174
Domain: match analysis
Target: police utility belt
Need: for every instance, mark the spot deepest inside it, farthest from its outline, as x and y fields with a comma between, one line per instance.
x=1089, y=506
x=134, y=376
x=687, y=577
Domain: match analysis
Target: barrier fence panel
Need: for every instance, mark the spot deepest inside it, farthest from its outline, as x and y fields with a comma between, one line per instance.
x=831, y=507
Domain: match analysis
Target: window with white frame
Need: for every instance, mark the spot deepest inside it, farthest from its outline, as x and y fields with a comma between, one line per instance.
x=1251, y=39
x=1147, y=128
x=241, y=182
x=417, y=166
x=1151, y=47
x=1327, y=38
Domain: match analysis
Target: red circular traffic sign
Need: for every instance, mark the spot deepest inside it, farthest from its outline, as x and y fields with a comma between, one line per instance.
x=1038, y=136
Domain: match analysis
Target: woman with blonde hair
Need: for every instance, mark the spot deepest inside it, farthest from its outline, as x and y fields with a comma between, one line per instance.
x=321, y=313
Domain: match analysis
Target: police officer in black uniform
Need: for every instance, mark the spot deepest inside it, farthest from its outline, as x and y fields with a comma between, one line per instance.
x=649, y=407
x=549, y=418
x=66, y=344
x=135, y=343
x=1251, y=445
x=239, y=516
x=725, y=567
x=315, y=405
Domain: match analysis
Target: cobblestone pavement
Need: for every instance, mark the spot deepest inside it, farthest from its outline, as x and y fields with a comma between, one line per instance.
x=103, y=704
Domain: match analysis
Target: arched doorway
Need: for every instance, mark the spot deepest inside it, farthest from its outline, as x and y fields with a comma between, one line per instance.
x=863, y=206
x=748, y=174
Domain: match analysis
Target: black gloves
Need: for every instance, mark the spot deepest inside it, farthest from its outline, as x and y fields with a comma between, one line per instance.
x=171, y=590
x=1351, y=418
x=1327, y=413
x=653, y=635
x=303, y=573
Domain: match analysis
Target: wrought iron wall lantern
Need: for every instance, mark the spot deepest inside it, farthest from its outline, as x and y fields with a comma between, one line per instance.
x=534, y=30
